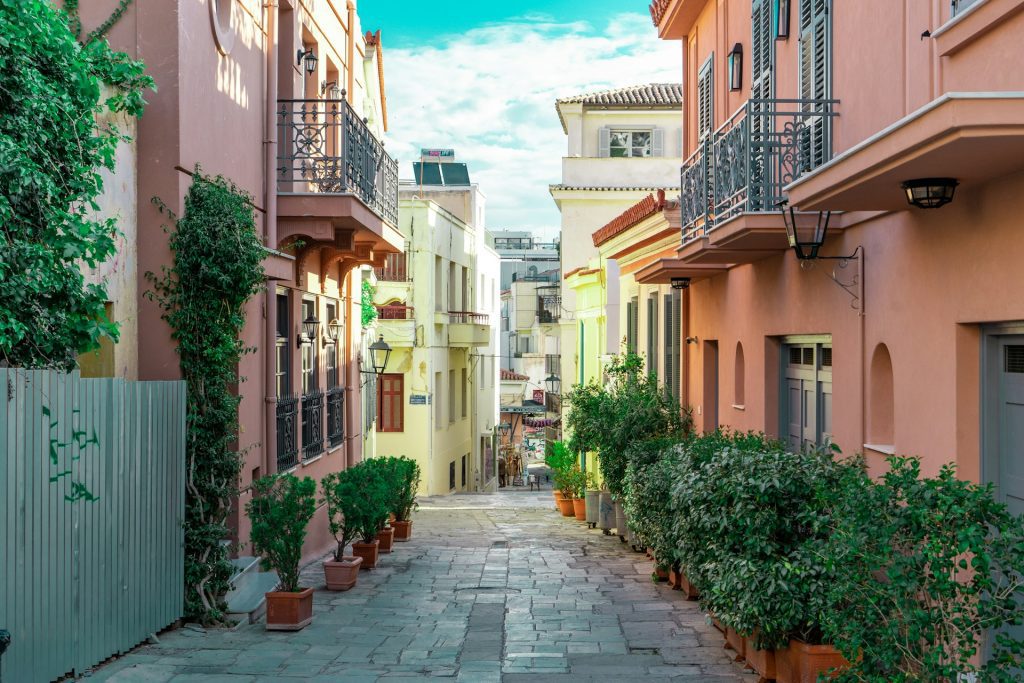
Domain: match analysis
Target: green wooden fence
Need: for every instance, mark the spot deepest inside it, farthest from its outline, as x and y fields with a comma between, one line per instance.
x=92, y=496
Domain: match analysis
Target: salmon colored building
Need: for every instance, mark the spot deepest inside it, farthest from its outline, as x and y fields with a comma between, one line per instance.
x=286, y=99
x=847, y=111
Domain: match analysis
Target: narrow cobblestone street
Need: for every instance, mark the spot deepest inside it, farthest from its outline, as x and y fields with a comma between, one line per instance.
x=490, y=588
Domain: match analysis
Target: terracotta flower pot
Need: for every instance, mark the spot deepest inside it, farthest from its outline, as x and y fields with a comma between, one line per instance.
x=675, y=579
x=661, y=573
x=579, y=508
x=688, y=588
x=761, y=661
x=803, y=663
x=403, y=529
x=341, y=576
x=289, y=611
x=735, y=642
x=367, y=551
x=717, y=624
x=557, y=494
x=565, y=507
x=386, y=538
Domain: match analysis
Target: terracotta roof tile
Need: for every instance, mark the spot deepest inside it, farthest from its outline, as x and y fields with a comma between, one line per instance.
x=608, y=188
x=658, y=9
x=510, y=376
x=647, y=95
x=646, y=207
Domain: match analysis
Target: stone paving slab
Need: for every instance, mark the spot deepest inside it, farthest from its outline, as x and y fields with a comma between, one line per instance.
x=491, y=589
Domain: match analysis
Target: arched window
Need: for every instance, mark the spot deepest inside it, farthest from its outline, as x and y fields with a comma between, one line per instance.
x=881, y=405
x=740, y=377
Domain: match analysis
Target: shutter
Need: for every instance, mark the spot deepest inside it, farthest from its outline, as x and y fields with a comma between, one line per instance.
x=815, y=58
x=604, y=141
x=658, y=142
x=652, y=335
x=634, y=329
x=761, y=57
x=669, y=346
x=677, y=314
x=705, y=98
x=630, y=315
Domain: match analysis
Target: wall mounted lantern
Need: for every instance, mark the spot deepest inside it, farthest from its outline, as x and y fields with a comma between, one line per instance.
x=504, y=428
x=332, y=90
x=806, y=249
x=380, y=352
x=332, y=333
x=780, y=19
x=930, y=193
x=736, y=67
x=309, y=329
x=554, y=383
x=680, y=283
x=308, y=59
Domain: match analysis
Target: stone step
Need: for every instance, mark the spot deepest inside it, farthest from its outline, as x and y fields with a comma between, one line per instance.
x=246, y=599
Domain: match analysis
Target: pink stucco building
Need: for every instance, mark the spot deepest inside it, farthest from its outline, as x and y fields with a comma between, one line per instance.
x=286, y=99
x=916, y=344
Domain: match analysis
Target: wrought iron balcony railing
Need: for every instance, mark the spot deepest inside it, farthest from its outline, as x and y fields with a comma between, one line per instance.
x=325, y=147
x=395, y=312
x=745, y=164
x=468, y=317
x=287, y=446
x=395, y=269
x=335, y=416
x=312, y=424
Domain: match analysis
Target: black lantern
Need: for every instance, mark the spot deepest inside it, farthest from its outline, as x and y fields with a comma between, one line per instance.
x=680, y=282
x=554, y=383
x=504, y=428
x=780, y=19
x=332, y=332
x=308, y=59
x=309, y=329
x=806, y=249
x=332, y=90
x=736, y=67
x=930, y=193
x=380, y=352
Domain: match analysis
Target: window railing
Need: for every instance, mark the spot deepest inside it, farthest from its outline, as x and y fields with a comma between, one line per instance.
x=335, y=416
x=745, y=164
x=325, y=147
x=287, y=445
x=395, y=269
x=395, y=312
x=468, y=317
x=549, y=304
x=312, y=424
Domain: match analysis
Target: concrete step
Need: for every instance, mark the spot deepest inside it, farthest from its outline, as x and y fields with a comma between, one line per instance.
x=246, y=599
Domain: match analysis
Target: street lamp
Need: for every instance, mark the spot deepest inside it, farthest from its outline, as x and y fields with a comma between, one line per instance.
x=309, y=329
x=680, y=282
x=736, y=67
x=554, y=383
x=332, y=332
x=504, y=428
x=806, y=249
x=380, y=352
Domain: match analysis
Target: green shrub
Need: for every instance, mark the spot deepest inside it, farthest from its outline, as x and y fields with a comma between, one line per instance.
x=374, y=499
x=408, y=484
x=648, y=486
x=280, y=511
x=750, y=528
x=923, y=569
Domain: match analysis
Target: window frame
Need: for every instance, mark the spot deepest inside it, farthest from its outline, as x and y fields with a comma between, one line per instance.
x=386, y=419
x=631, y=146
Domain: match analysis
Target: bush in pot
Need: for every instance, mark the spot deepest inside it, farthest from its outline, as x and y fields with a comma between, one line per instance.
x=342, y=497
x=370, y=510
x=925, y=570
x=280, y=511
x=404, y=502
x=648, y=485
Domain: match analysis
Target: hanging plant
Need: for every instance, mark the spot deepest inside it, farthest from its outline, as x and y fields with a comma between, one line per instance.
x=217, y=268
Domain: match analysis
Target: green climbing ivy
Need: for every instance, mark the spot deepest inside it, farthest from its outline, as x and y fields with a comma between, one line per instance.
x=217, y=268
x=52, y=152
x=369, y=310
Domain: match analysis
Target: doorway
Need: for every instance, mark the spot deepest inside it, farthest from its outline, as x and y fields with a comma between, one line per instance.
x=1003, y=415
x=806, y=414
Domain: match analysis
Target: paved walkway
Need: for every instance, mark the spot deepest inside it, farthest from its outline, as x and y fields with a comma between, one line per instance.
x=491, y=588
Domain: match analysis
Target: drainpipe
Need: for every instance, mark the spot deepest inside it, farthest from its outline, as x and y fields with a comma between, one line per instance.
x=270, y=202
x=350, y=91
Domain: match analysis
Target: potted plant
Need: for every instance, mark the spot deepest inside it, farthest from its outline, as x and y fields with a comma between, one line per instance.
x=560, y=460
x=342, y=496
x=592, y=498
x=370, y=511
x=404, y=503
x=280, y=511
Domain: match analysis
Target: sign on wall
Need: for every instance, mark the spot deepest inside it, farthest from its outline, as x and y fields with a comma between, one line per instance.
x=419, y=399
x=437, y=153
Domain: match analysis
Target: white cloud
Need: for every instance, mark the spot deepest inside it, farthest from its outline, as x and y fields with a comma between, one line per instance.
x=490, y=94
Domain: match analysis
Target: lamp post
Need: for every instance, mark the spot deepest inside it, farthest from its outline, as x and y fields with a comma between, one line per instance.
x=554, y=384
x=380, y=352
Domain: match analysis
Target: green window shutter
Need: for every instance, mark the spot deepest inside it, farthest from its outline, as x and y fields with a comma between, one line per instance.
x=634, y=325
x=669, y=343
x=706, y=97
x=604, y=141
x=815, y=68
x=677, y=343
x=652, y=335
x=762, y=51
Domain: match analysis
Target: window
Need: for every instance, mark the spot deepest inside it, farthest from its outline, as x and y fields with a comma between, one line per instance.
x=438, y=283
x=652, y=334
x=331, y=350
x=463, y=389
x=960, y=5
x=452, y=303
x=451, y=476
x=739, y=378
x=706, y=98
x=807, y=386
x=673, y=348
x=309, y=348
x=631, y=325
x=629, y=143
x=464, y=459
x=284, y=379
x=437, y=401
x=451, y=396
x=390, y=403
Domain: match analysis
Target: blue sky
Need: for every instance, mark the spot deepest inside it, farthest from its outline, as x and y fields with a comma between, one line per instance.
x=484, y=81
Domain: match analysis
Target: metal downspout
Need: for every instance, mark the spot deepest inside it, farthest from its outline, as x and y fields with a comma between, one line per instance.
x=270, y=202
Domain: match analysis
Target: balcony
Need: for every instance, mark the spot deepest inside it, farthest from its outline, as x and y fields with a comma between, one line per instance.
x=738, y=174
x=312, y=424
x=337, y=187
x=468, y=329
x=395, y=269
x=549, y=304
x=398, y=324
x=287, y=444
x=335, y=416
